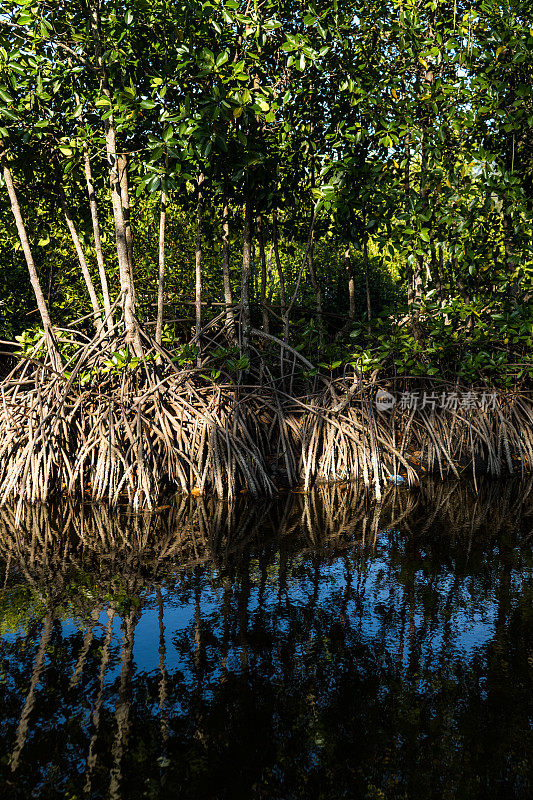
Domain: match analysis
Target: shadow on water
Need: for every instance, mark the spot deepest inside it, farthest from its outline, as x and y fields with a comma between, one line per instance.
x=313, y=646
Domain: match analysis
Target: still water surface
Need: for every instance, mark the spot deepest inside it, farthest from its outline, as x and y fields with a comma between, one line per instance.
x=313, y=647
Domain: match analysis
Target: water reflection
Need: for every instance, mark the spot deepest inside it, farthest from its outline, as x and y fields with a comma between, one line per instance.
x=316, y=646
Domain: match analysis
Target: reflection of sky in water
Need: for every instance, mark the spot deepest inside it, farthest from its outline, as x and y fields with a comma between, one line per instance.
x=462, y=620
x=373, y=609
x=394, y=649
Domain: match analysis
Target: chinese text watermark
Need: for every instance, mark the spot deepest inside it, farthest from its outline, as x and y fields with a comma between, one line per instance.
x=433, y=401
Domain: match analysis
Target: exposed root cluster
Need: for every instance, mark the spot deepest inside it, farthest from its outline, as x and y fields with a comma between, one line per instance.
x=150, y=428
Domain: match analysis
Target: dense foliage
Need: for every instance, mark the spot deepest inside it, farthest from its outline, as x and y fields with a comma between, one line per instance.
x=354, y=177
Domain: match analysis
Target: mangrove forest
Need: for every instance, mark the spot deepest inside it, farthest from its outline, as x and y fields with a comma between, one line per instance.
x=266, y=399
x=253, y=245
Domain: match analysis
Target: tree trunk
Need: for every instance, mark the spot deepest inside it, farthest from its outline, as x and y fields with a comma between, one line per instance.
x=281, y=276
x=228, y=300
x=304, y=262
x=367, y=283
x=419, y=261
x=97, y=238
x=34, y=278
x=245, y=278
x=161, y=269
x=312, y=274
x=122, y=162
x=126, y=281
x=262, y=259
x=351, y=283
x=270, y=278
x=96, y=226
x=440, y=271
x=81, y=258
x=198, y=259
x=427, y=81
x=407, y=192
x=318, y=292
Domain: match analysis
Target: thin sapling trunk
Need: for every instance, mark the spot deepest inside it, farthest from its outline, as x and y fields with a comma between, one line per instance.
x=262, y=259
x=161, y=268
x=198, y=261
x=228, y=300
x=81, y=259
x=245, y=277
x=97, y=237
x=26, y=249
x=121, y=239
x=351, y=282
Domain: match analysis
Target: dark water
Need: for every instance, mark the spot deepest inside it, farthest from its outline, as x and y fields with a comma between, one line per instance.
x=310, y=648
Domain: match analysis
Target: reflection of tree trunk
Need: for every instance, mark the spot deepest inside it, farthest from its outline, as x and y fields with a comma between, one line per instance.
x=226, y=617
x=410, y=601
x=244, y=599
x=87, y=639
x=122, y=712
x=91, y=758
x=198, y=656
x=162, y=668
x=198, y=659
x=38, y=664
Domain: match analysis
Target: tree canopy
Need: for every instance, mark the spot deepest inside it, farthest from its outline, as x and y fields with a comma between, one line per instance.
x=298, y=164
